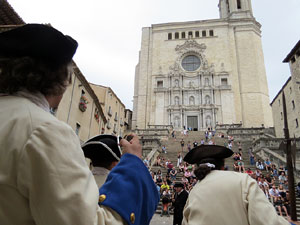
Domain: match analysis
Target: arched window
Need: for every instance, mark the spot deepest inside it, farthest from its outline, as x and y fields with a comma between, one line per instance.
x=192, y=100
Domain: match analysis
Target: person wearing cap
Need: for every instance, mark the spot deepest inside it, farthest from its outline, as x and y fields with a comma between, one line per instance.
x=225, y=197
x=44, y=178
x=179, y=201
x=105, y=153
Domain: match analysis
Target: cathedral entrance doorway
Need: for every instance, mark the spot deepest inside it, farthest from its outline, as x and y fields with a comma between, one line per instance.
x=192, y=122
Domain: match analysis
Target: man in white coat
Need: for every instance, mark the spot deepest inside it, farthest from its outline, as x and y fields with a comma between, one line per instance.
x=225, y=197
x=44, y=178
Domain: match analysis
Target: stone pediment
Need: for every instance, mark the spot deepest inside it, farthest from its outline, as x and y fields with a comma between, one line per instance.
x=190, y=45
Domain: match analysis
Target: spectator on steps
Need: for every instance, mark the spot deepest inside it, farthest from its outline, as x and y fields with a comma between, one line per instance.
x=268, y=164
x=179, y=159
x=274, y=193
x=259, y=165
x=241, y=166
x=279, y=204
x=166, y=200
x=249, y=171
x=282, y=178
x=252, y=159
x=173, y=174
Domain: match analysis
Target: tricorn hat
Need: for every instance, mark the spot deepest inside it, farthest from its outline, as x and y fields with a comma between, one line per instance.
x=207, y=151
x=179, y=185
x=102, y=147
x=38, y=41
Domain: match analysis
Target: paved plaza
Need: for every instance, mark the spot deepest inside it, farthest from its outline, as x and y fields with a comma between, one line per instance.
x=157, y=220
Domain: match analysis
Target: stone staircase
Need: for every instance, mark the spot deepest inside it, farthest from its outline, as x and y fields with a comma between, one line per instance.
x=173, y=148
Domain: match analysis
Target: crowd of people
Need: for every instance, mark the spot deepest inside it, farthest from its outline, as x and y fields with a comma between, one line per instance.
x=278, y=195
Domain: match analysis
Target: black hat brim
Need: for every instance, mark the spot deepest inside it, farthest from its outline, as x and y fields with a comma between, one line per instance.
x=207, y=151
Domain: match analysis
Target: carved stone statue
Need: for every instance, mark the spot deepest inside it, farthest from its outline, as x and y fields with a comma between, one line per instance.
x=192, y=100
x=177, y=121
x=176, y=100
x=176, y=83
x=207, y=100
x=208, y=121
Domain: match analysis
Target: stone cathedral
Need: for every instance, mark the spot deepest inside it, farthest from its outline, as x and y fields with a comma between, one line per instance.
x=201, y=73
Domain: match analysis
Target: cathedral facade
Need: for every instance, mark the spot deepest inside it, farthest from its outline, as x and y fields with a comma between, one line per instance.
x=201, y=73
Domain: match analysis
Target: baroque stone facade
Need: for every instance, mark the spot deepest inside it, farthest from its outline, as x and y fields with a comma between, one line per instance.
x=201, y=73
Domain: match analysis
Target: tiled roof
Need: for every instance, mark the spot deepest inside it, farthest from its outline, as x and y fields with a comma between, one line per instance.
x=8, y=15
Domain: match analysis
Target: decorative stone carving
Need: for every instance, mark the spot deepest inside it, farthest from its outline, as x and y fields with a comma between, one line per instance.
x=190, y=45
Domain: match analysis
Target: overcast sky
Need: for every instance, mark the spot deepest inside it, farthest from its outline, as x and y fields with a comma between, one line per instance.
x=109, y=33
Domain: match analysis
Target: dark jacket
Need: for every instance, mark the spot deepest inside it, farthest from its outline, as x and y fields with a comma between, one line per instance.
x=180, y=200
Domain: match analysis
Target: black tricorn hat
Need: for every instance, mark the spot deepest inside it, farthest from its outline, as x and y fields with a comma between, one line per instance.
x=179, y=185
x=38, y=41
x=102, y=147
x=207, y=151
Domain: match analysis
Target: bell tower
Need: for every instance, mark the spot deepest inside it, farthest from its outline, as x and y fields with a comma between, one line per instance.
x=235, y=9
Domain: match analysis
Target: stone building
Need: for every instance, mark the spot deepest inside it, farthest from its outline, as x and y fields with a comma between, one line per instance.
x=81, y=109
x=201, y=73
x=113, y=108
x=291, y=91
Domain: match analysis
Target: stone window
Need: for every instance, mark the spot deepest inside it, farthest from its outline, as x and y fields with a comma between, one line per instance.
x=116, y=116
x=197, y=34
x=160, y=84
x=204, y=33
x=169, y=36
x=223, y=81
x=238, y=3
x=182, y=34
x=297, y=125
x=192, y=100
x=290, y=90
x=293, y=104
x=281, y=116
x=190, y=63
x=279, y=102
x=176, y=35
x=190, y=34
x=211, y=33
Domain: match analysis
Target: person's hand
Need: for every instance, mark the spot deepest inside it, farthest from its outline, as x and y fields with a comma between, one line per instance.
x=133, y=146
